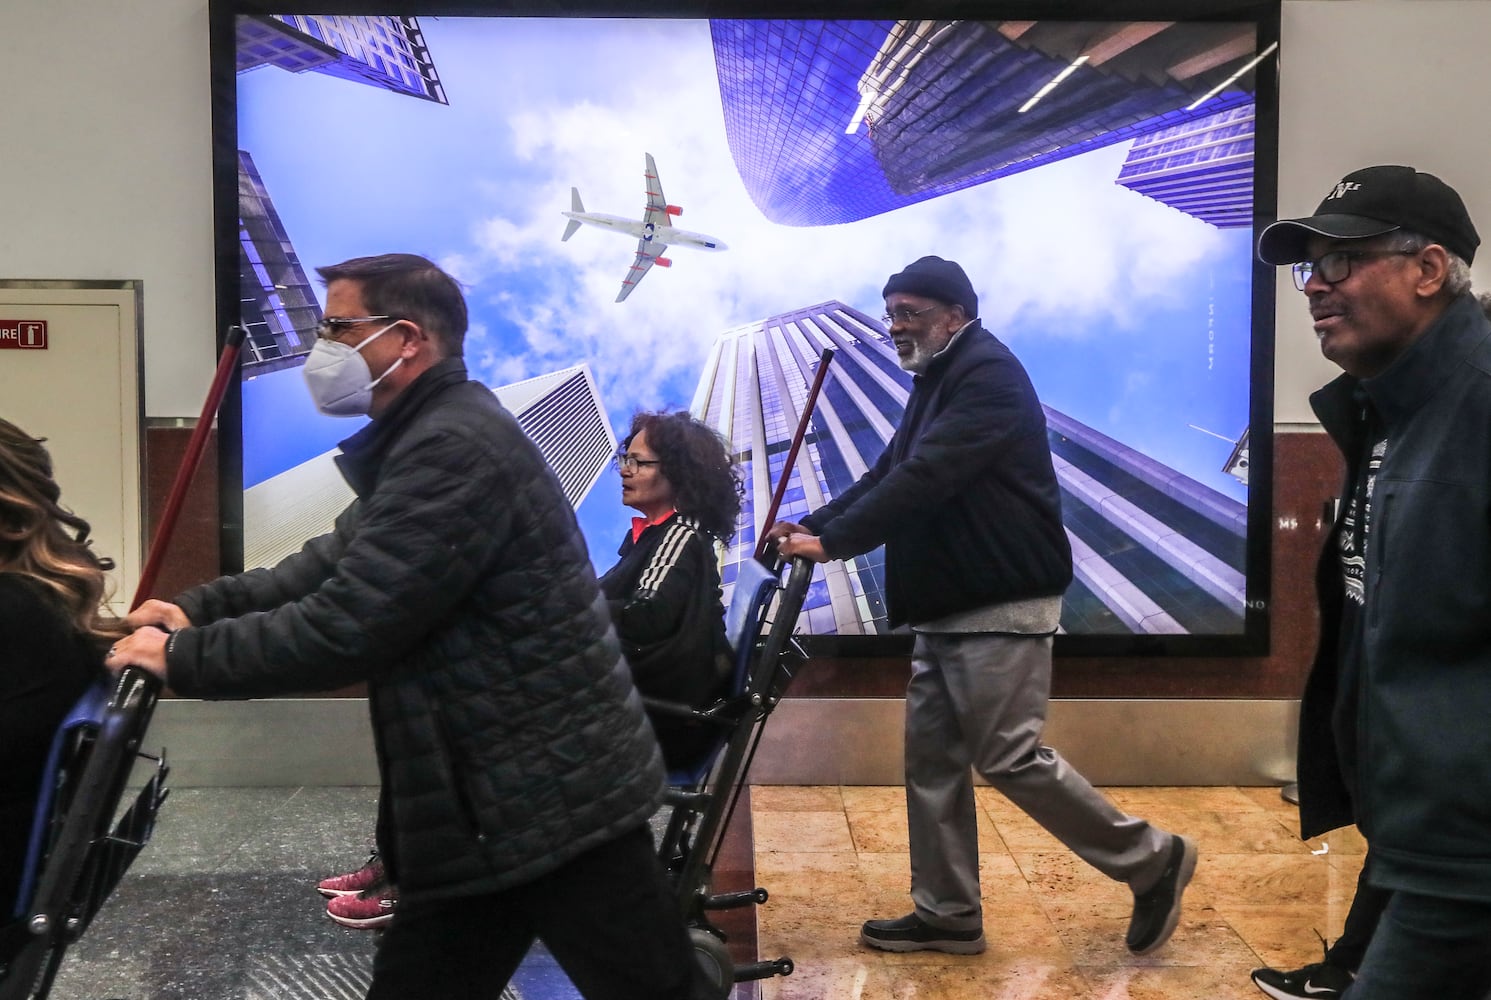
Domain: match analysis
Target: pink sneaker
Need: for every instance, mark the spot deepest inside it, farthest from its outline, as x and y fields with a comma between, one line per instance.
x=365, y=878
x=366, y=912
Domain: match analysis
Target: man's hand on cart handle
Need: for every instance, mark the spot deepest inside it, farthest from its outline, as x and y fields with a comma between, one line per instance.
x=144, y=647
x=160, y=614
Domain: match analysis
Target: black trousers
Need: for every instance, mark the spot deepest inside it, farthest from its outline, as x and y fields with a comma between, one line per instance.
x=1361, y=921
x=609, y=917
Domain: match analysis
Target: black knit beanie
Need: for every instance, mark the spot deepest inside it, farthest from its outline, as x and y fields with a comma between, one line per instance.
x=938, y=279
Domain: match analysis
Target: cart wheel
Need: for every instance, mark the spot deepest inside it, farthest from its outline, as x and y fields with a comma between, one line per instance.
x=714, y=961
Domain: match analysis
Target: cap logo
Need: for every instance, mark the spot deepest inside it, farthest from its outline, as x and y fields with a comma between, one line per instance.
x=1341, y=189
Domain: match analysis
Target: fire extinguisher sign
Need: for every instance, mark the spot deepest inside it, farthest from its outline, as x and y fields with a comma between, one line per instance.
x=23, y=334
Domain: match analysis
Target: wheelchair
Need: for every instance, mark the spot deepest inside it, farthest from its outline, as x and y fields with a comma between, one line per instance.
x=760, y=625
x=77, y=852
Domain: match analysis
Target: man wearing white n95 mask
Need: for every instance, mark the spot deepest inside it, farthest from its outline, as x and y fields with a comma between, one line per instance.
x=337, y=373
x=518, y=769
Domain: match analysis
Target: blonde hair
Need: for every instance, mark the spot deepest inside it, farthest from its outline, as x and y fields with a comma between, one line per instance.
x=42, y=540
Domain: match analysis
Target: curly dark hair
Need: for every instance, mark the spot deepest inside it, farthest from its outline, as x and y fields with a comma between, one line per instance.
x=697, y=463
x=41, y=539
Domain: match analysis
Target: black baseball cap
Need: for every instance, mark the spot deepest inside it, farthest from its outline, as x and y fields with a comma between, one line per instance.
x=1373, y=201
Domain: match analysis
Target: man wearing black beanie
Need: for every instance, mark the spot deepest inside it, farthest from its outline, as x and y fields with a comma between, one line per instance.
x=965, y=501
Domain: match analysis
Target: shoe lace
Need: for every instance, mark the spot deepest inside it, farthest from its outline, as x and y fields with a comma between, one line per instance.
x=1325, y=948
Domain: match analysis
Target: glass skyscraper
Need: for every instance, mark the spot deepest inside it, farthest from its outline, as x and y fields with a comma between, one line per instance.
x=388, y=52
x=1203, y=167
x=835, y=121
x=277, y=305
x=278, y=308
x=1155, y=551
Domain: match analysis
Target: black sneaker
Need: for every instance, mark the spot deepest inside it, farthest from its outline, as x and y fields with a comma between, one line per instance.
x=1157, y=909
x=911, y=933
x=1319, y=981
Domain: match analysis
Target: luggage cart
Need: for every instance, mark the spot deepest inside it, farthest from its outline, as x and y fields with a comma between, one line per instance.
x=760, y=624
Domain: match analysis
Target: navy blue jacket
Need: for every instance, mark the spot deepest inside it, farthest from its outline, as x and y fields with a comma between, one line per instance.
x=1423, y=744
x=964, y=498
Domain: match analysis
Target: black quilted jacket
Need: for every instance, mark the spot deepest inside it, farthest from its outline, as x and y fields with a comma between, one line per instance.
x=457, y=585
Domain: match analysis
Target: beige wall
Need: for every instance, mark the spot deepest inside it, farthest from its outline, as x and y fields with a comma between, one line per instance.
x=105, y=162
x=1375, y=81
x=105, y=150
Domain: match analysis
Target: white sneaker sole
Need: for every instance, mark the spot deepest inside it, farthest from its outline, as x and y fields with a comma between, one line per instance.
x=363, y=923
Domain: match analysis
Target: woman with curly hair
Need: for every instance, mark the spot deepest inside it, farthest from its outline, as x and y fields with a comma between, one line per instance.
x=664, y=594
x=52, y=633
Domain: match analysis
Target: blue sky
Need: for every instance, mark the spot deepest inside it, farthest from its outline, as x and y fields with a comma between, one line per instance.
x=1130, y=316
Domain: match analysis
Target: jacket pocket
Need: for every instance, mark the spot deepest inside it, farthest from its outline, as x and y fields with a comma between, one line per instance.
x=464, y=801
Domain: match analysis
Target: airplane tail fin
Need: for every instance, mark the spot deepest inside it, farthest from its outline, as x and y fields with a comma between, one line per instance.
x=575, y=206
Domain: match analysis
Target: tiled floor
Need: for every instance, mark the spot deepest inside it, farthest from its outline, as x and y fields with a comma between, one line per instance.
x=219, y=906
x=832, y=857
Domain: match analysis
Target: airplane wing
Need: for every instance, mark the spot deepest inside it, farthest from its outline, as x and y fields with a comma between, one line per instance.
x=656, y=213
x=648, y=250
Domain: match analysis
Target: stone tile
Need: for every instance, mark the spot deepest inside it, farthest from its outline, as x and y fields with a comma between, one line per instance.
x=1170, y=983
x=1016, y=979
x=874, y=798
x=1065, y=883
x=879, y=832
x=1202, y=938
x=1258, y=878
x=801, y=831
x=852, y=978
x=795, y=798
x=792, y=863
x=1271, y=800
x=1285, y=936
x=1346, y=840
x=1250, y=832
x=1156, y=802
x=1016, y=831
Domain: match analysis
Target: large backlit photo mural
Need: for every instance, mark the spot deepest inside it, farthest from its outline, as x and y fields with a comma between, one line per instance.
x=685, y=213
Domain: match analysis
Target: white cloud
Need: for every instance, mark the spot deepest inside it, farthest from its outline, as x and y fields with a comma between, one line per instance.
x=1061, y=245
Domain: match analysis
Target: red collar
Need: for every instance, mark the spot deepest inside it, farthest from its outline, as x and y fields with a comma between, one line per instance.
x=641, y=524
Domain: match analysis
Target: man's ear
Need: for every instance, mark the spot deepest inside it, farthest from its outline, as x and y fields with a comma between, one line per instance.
x=416, y=338
x=1434, y=268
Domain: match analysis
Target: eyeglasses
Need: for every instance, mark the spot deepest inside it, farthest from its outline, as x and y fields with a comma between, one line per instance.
x=904, y=315
x=1336, y=265
x=630, y=463
x=331, y=327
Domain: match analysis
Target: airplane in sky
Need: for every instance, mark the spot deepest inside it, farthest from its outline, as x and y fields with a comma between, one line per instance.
x=655, y=233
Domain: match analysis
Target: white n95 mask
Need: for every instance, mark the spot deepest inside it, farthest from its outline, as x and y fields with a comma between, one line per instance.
x=338, y=376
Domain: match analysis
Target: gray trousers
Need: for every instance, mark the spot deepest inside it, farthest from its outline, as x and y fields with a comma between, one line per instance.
x=979, y=700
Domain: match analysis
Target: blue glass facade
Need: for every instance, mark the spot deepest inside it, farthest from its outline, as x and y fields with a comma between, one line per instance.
x=388, y=52
x=835, y=121
x=277, y=305
x=1203, y=168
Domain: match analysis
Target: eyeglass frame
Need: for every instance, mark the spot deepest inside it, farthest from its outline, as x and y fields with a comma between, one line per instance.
x=631, y=463
x=1303, y=270
x=904, y=315
x=326, y=328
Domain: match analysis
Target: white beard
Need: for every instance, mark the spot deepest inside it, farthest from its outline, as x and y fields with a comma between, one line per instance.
x=918, y=360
